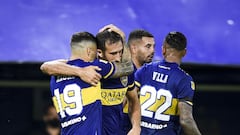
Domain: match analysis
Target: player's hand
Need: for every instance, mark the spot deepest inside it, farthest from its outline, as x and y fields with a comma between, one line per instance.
x=90, y=75
x=114, y=28
x=135, y=131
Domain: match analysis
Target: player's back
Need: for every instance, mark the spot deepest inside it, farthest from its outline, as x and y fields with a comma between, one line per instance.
x=113, y=93
x=78, y=103
x=160, y=91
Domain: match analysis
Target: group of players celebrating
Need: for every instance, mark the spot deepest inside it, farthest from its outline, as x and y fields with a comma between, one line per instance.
x=110, y=87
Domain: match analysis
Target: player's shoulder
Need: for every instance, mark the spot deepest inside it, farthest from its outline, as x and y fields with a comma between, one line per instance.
x=100, y=61
x=151, y=65
x=182, y=73
x=77, y=62
x=146, y=69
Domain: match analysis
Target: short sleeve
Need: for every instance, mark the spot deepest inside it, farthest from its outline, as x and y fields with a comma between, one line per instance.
x=186, y=88
x=108, y=68
x=131, y=83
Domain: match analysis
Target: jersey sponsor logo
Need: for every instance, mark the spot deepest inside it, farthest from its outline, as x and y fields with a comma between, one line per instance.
x=164, y=67
x=153, y=126
x=113, y=96
x=124, y=80
x=73, y=121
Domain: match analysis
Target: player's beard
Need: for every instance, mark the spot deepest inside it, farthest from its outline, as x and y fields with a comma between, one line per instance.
x=149, y=58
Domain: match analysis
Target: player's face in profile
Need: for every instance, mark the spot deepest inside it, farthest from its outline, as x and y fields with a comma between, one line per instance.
x=146, y=49
x=113, y=52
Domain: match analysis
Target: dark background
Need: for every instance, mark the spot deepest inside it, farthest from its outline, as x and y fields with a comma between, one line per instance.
x=24, y=92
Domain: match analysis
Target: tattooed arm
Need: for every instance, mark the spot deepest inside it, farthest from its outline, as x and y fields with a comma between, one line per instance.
x=122, y=69
x=186, y=119
x=126, y=66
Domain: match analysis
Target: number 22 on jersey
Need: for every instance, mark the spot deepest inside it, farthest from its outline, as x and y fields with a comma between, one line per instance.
x=69, y=101
x=151, y=101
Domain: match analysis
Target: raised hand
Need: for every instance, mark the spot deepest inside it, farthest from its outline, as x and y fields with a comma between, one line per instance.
x=111, y=27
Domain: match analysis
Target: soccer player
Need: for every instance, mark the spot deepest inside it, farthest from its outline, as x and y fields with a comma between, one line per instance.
x=142, y=48
x=166, y=92
x=111, y=48
x=78, y=103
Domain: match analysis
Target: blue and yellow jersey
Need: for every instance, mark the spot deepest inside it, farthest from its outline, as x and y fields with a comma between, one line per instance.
x=162, y=85
x=126, y=122
x=78, y=103
x=113, y=93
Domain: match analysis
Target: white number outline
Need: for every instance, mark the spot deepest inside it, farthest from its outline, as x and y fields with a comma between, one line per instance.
x=75, y=99
x=156, y=95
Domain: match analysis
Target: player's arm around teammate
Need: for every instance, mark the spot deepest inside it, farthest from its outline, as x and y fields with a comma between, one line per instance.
x=88, y=74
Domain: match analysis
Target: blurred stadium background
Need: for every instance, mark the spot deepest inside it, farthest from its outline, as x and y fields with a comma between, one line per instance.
x=34, y=31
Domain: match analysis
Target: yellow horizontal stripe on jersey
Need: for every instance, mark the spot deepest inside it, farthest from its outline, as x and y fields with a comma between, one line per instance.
x=88, y=95
x=91, y=94
x=113, y=96
x=172, y=110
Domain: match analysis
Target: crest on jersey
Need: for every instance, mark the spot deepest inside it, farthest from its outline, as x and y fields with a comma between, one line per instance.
x=124, y=80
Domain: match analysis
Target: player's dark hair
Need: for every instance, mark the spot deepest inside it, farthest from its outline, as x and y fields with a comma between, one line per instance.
x=82, y=36
x=106, y=36
x=138, y=34
x=176, y=40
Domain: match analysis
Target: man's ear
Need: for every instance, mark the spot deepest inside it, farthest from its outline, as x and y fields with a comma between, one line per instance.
x=184, y=52
x=99, y=53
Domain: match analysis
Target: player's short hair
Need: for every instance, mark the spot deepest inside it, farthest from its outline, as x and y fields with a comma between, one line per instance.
x=176, y=40
x=107, y=36
x=82, y=36
x=138, y=34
